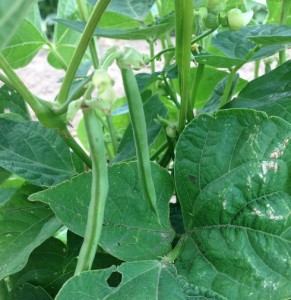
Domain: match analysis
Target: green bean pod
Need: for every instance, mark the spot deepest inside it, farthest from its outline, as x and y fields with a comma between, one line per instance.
x=138, y=122
x=99, y=191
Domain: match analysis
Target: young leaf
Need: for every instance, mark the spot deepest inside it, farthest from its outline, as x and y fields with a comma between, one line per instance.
x=144, y=279
x=11, y=15
x=35, y=153
x=23, y=227
x=273, y=98
x=232, y=175
x=130, y=230
x=26, y=42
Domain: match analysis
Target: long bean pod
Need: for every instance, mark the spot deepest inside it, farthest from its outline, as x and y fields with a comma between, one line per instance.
x=99, y=191
x=138, y=122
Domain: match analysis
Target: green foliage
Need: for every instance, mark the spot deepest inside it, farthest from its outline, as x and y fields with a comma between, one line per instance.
x=196, y=160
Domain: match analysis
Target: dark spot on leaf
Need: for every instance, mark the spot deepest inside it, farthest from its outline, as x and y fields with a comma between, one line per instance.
x=118, y=244
x=114, y=279
x=192, y=178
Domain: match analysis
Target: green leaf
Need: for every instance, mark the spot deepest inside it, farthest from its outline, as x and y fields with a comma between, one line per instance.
x=26, y=42
x=270, y=93
x=134, y=9
x=273, y=35
x=35, y=153
x=14, y=102
x=130, y=230
x=217, y=61
x=236, y=44
x=11, y=15
x=49, y=273
x=152, y=108
x=142, y=33
x=23, y=227
x=274, y=11
x=232, y=175
x=140, y=280
x=113, y=20
x=29, y=292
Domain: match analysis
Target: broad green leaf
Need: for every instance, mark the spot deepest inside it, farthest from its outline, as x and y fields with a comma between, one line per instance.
x=35, y=153
x=12, y=101
x=4, y=174
x=130, y=230
x=232, y=173
x=11, y=15
x=141, y=33
x=152, y=108
x=270, y=93
x=149, y=279
x=273, y=35
x=26, y=42
x=134, y=9
x=23, y=227
x=29, y=292
x=236, y=44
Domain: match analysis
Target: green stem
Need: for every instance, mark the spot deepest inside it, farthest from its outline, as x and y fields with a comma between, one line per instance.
x=112, y=133
x=152, y=54
x=65, y=134
x=92, y=47
x=196, y=83
x=226, y=93
x=183, y=21
x=5, y=80
x=138, y=122
x=99, y=191
x=160, y=150
x=283, y=18
x=176, y=252
x=96, y=15
x=170, y=92
x=257, y=68
x=202, y=36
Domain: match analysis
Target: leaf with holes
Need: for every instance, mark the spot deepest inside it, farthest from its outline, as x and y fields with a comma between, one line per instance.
x=232, y=174
x=130, y=230
x=143, y=279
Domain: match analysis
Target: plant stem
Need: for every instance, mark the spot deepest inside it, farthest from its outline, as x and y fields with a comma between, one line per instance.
x=18, y=85
x=81, y=48
x=231, y=75
x=112, y=133
x=160, y=150
x=202, y=36
x=152, y=54
x=175, y=253
x=283, y=18
x=99, y=191
x=3, y=289
x=92, y=47
x=138, y=122
x=5, y=80
x=196, y=83
x=65, y=134
x=183, y=21
x=170, y=92
x=257, y=68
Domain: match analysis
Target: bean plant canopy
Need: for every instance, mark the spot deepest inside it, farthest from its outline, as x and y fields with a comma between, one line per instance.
x=176, y=187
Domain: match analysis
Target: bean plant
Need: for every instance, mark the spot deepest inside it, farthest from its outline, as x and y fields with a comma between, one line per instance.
x=181, y=188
